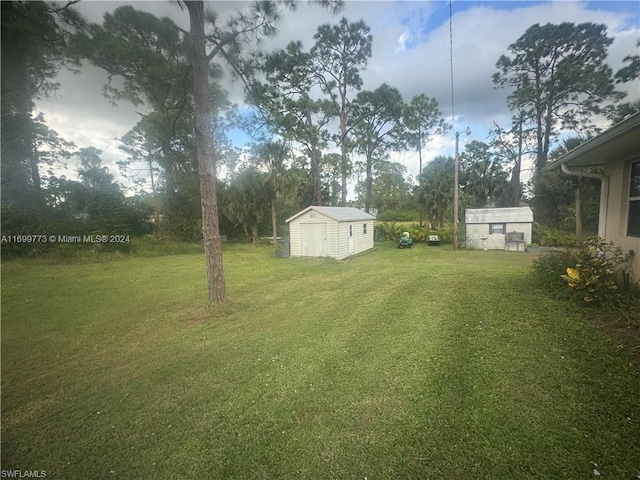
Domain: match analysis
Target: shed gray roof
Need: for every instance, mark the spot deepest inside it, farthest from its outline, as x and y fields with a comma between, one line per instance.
x=339, y=214
x=498, y=215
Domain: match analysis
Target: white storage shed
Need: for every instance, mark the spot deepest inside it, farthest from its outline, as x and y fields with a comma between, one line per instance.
x=491, y=228
x=336, y=232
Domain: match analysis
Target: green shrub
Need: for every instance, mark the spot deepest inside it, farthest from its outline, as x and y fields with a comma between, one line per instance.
x=393, y=215
x=388, y=231
x=418, y=233
x=535, y=232
x=392, y=231
x=553, y=237
x=591, y=273
x=446, y=233
x=597, y=271
x=549, y=267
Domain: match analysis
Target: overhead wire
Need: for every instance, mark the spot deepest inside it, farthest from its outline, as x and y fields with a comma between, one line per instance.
x=453, y=116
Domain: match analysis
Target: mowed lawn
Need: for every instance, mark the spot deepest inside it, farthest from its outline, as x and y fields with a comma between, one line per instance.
x=422, y=363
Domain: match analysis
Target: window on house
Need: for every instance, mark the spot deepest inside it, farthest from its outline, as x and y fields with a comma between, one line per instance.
x=498, y=228
x=350, y=231
x=312, y=215
x=633, y=220
x=364, y=229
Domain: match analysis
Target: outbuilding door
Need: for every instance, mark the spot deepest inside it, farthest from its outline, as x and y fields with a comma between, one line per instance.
x=313, y=239
x=352, y=241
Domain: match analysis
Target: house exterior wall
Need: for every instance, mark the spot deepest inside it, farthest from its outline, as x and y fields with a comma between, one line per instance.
x=618, y=210
x=337, y=235
x=494, y=241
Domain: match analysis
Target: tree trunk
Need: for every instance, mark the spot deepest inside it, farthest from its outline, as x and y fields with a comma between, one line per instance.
x=343, y=189
x=315, y=173
x=539, y=138
x=420, y=169
x=156, y=207
x=204, y=149
x=343, y=152
x=274, y=227
x=245, y=230
x=169, y=174
x=316, y=198
x=515, y=176
x=153, y=181
x=547, y=138
x=35, y=176
x=369, y=186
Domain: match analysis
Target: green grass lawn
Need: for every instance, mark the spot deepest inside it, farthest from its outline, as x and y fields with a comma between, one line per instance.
x=422, y=363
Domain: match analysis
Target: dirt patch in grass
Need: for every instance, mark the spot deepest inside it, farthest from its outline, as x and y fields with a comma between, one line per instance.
x=205, y=312
x=625, y=335
x=28, y=413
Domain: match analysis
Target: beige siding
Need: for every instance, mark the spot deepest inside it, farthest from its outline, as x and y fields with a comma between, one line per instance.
x=495, y=241
x=361, y=241
x=343, y=241
x=294, y=230
x=294, y=239
x=475, y=234
x=521, y=227
x=337, y=235
x=332, y=238
x=617, y=210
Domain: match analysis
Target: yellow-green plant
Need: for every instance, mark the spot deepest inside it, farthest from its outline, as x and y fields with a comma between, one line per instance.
x=595, y=273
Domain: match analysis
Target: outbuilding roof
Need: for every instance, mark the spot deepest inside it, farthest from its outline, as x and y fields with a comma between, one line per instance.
x=498, y=215
x=339, y=214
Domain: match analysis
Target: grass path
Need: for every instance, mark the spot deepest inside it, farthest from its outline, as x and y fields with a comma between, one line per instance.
x=421, y=363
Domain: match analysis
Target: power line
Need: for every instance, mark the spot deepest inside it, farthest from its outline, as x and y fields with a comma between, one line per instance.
x=453, y=116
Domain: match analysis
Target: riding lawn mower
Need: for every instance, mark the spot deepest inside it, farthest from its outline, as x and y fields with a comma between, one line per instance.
x=405, y=240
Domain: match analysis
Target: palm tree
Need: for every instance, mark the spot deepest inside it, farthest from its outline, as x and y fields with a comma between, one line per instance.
x=246, y=200
x=567, y=145
x=484, y=180
x=422, y=119
x=435, y=191
x=271, y=157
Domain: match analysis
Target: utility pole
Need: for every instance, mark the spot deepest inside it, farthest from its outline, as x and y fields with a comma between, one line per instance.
x=455, y=194
x=456, y=167
x=420, y=176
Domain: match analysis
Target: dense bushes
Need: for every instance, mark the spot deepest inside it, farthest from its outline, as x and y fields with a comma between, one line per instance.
x=392, y=231
x=553, y=237
x=595, y=272
x=392, y=215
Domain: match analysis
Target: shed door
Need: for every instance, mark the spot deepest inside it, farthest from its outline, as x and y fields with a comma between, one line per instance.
x=313, y=239
x=352, y=242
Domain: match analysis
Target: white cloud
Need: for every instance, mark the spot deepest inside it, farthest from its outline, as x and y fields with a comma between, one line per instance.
x=403, y=41
x=405, y=55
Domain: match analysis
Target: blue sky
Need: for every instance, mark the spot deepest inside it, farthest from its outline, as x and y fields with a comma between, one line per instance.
x=410, y=51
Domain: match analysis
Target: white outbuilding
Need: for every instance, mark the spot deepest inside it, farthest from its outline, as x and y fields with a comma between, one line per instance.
x=336, y=232
x=499, y=228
